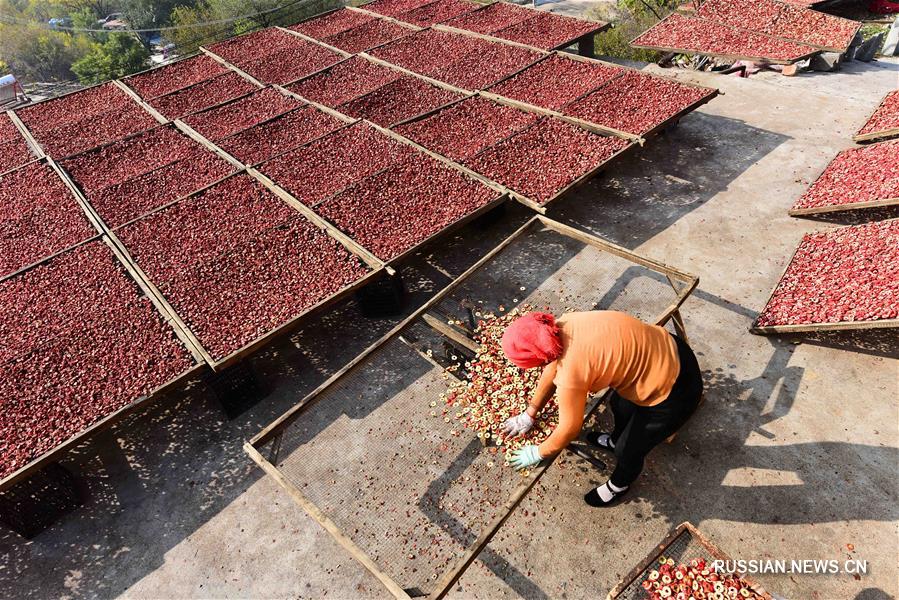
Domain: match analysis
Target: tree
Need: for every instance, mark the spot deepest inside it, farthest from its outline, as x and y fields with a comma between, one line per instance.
x=121, y=55
x=630, y=18
x=150, y=14
x=100, y=8
x=240, y=16
x=35, y=53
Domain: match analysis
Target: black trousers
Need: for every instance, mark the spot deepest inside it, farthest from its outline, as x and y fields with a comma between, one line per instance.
x=639, y=429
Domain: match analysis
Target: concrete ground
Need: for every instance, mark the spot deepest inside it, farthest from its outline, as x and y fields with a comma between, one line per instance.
x=792, y=456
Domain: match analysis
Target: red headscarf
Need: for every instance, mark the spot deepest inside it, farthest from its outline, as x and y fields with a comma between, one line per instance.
x=532, y=340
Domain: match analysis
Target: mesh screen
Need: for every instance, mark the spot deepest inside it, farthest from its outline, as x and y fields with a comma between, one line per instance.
x=412, y=490
x=684, y=548
x=550, y=270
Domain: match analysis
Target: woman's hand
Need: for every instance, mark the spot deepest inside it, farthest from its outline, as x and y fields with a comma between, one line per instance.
x=525, y=458
x=518, y=425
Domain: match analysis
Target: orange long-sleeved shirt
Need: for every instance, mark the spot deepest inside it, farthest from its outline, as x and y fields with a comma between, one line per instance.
x=602, y=349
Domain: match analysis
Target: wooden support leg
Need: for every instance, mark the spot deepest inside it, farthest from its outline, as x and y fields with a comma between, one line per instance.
x=383, y=297
x=34, y=504
x=678, y=322
x=237, y=388
x=585, y=46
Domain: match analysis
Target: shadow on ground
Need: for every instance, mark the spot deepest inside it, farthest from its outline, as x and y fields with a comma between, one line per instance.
x=158, y=477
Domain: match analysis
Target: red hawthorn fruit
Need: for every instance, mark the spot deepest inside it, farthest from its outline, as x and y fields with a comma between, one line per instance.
x=202, y=95
x=54, y=113
x=367, y=35
x=119, y=203
x=219, y=122
x=248, y=47
x=236, y=262
x=493, y=17
x=463, y=129
x=174, y=76
x=845, y=275
x=697, y=35
x=199, y=228
x=429, y=50
x=485, y=66
x=128, y=158
x=14, y=154
x=538, y=85
x=344, y=81
x=636, y=102
x=95, y=130
x=547, y=30
x=437, y=12
x=39, y=215
x=392, y=8
x=322, y=168
x=332, y=23
x=277, y=136
x=377, y=211
x=397, y=101
x=543, y=159
x=295, y=60
x=8, y=129
x=72, y=359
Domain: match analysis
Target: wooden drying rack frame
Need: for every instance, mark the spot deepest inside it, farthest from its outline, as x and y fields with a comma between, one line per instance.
x=832, y=208
x=883, y=134
x=732, y=57
x=817, y=327
x=661, y=549
x=111, y=419
x=376, y=265
x=254, y=446
x=582, y=38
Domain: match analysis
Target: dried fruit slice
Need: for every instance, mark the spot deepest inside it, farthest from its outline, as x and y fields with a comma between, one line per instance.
x=344, y=81
x=539, y=84
x=542, y=160
x=845, y=275
x=39, y=216
x=856, y=176
x=636, y=102
x=465, y=128
x=400, y=207
x=699, y=36
x=397, y=101
x=174, y=76
x=885, y=118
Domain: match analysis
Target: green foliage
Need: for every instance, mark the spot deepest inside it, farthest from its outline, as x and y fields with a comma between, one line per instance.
x=264, y=13
x=645, y=8
x=121, y=55
x=148, y=14
x=629, y=19
x=38, y=54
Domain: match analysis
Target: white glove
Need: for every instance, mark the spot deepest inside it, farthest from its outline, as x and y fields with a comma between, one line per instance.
x=518, y=425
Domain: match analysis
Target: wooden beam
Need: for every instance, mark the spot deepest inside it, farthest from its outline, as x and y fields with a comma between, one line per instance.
x=319, y=517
